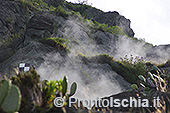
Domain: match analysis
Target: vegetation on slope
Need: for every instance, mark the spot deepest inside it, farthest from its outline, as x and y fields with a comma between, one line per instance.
x=38, y=96
x=167, y=64
x=37, y=4
x=116, y=30
x=127, y=68
x=58, y=43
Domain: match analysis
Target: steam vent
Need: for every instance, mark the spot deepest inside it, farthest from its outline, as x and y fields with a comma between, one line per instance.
x=63, y=57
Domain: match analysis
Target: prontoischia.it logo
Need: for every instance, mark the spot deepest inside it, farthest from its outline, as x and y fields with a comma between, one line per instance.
x=111, y=102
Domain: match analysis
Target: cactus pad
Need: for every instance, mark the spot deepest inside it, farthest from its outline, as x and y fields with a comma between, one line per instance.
x=12, y=101
x=5, y=86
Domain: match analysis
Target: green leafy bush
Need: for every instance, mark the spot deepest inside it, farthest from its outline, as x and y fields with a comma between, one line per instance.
x=137, y=62
x=129, y=69
x=78, y=7
x=50, y=90
x=58, y=88
x=136, y=66
x=114, y=29
x=60, y=42
x=9, y=39
x=60, y=11
x=38, y=4
x=39, y=95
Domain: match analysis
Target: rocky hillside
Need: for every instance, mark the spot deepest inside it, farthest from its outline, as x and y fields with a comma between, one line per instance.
x=56, y=36
x=24, y=26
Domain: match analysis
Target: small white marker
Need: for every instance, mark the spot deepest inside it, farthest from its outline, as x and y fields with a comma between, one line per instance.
x=22, y=65
x=26, y=69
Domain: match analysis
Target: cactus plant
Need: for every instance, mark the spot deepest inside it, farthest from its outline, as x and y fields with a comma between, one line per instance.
x=134, y=86
x=157, y=69
x=152, y=82
x=150, y=75
x=12, y=101
x=4, y=89
x=10, y=97
x=142, y=78
x=58, y=88
x=73, y=89
x=64, y=86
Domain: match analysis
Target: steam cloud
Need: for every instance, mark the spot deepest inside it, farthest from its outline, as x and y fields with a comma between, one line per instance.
x=103, y=81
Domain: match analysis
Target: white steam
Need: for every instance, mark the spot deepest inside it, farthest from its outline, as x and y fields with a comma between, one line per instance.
x=127, y=46
x=94, y=80
x=100, y=82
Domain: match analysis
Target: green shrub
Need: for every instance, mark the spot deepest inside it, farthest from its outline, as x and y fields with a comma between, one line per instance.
x=116, y=30
x=38, y=4
x=136, y=66
x=76, y=14
x=39, y=95
x=129, y=69
x=77, y=8
x=80, y=8
x=137, y=62
x=58, y=88
x=60, y=42
x=50, y=89
x=9, y=39
x=60, y=11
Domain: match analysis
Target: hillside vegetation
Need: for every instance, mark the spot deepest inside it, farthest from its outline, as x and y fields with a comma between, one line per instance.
x=96, y=50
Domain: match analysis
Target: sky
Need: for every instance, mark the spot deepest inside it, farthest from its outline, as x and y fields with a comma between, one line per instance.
x=149, y=18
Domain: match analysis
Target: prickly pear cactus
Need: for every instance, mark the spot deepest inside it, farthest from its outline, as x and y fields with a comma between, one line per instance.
x=5, y=86
x=157, y=69
x=142, y=78
x=12, y=101
x=73, y=89
x=134, y=87
x=64, y=86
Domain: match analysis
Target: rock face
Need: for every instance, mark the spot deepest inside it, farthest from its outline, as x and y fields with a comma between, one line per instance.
x=46, y=57
x=40, y=26
x=12, y=26
x=41, y=22
x=114, y=19
x=92, y=13
x=32, y=53
x=23, y=34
